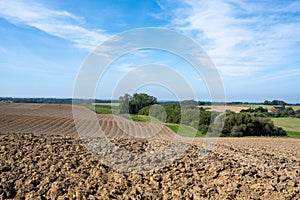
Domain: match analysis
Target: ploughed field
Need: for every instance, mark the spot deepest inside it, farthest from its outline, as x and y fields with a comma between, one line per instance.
x=42, y=157
x=58, y=119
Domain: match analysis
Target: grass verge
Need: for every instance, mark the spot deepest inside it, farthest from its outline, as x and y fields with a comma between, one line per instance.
x=140, y=118
x=184, y=130
x=103, y=109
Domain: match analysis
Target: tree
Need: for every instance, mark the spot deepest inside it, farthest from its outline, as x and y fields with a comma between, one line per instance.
x=275, y=102
x=245, y=124
x=173, y=111
x=289, y=111
x=298, y=113
x=191, y=103
x=201, y=103
x=124, y=103
x=266, y=102
x=260, y=111
x=278, y=102
x=132, y=104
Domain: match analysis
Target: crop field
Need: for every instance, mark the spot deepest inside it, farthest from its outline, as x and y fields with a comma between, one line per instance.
x=43, y=157
x=261, y=105
x=291, y=125
x=217, y=108
x=58, y=119
x=113, y=108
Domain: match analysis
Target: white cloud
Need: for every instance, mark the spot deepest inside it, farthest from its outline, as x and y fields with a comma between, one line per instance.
x=282, y=74
x=160, y=4
x=234, y=71
x=125, y=67
x=241, y=35
x=59, y=23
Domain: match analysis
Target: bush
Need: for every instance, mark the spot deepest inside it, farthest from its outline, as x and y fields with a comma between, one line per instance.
x=245, y=124
x=278, y=131
x=144, y=111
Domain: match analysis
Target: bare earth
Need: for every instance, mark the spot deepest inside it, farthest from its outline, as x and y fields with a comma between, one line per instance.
x=42, y=157
x=218, y=108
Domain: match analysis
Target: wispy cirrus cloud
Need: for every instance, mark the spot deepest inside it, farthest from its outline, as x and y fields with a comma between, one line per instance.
x=125, y=67
x=59, y=23
x=281, y=74
x=248, y=36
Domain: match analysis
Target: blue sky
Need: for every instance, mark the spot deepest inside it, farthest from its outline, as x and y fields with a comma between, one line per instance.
x=255, y=45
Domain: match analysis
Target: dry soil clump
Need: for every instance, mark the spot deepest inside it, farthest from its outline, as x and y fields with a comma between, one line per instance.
x=60, y=167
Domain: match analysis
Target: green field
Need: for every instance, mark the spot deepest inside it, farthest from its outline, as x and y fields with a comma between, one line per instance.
x=294, y=107
x=186, y=131
x=290, y=125
x=140, y=118
x=252, y=105
x=104, y=108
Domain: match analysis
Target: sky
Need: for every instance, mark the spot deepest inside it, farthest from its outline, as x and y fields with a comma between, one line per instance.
x=254, y=45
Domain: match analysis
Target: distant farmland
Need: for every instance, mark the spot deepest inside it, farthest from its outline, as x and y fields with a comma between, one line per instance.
x=261, y=105
x=238, y=107
x=291, y=125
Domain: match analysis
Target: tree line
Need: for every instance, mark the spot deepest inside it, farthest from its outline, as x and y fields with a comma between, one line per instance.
x=189, y=113
x=264, y=112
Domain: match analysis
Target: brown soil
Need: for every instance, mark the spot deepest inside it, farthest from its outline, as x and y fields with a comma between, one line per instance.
x=42, y=158
x=218, y=108
x=58, y=119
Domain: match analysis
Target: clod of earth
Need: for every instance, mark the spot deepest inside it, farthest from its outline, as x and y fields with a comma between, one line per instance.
x=43, y=158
